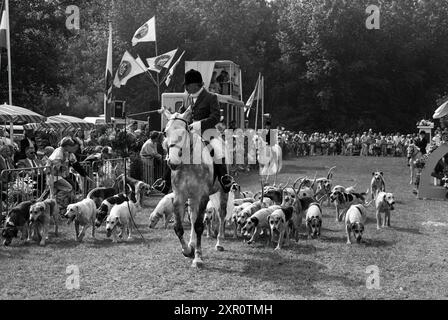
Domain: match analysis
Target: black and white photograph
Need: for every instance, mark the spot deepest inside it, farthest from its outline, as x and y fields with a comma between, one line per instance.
x=223, y=155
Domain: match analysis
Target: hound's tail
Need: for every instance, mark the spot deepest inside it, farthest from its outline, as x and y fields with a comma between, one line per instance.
x=89, y=195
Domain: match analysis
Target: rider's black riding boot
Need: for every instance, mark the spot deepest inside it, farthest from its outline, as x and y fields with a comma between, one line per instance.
x=224, y=179
x=164, y=185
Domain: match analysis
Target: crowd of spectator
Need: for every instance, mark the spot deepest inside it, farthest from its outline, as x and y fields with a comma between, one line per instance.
x=368, y=143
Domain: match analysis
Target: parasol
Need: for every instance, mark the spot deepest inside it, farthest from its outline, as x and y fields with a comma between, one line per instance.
x=16, y=114
x=61, y=123
x=441, y=111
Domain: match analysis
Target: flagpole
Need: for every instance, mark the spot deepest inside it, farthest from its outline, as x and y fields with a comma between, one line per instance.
x=242, y=114
x=8, y=47
x=258, y=98
x=107, y=113
x=262, y=102
x=158, y=82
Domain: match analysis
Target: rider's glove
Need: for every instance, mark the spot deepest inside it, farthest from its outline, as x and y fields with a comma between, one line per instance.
x=195, y=126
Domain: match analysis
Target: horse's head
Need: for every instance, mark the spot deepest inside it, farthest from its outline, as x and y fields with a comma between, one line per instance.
x=177, y=135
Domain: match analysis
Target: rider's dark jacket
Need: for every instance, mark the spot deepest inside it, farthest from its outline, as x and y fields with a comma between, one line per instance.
x=205, y=110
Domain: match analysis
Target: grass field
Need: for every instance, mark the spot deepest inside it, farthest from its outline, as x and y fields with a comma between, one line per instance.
x=411, y=255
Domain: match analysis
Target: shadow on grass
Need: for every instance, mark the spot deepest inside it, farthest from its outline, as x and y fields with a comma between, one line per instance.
x=406, y=230
x=296, y=277
x=377, y=243
x=368, y=242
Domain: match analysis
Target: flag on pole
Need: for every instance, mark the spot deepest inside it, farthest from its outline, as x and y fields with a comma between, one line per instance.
x=162, y=61
x=3, y=27
x=252, y=97
x=108, y=75
x=128, y=68
x=171, y=71
x=146, y=32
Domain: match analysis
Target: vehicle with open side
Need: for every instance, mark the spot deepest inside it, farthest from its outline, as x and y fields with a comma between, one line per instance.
x=220, y=77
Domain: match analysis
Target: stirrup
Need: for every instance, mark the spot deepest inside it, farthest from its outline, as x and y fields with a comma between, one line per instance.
x=226, y=184
x=159, y=185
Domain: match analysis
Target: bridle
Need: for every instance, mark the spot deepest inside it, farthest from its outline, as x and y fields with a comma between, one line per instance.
x=173, y=145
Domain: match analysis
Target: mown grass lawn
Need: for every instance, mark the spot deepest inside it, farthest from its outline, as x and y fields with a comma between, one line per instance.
x=411, y=255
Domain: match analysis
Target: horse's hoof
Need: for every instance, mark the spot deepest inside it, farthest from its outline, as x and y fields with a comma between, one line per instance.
x=197, y=263
x=191, y=255
x=219, y=248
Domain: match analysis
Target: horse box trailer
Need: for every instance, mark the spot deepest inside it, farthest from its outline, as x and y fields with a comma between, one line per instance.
x=222, y=78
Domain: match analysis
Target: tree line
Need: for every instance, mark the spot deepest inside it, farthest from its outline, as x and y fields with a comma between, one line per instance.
x=324, y=70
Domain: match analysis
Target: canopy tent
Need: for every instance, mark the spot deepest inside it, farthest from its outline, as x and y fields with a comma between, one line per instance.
x=61, y=123
x=14, y=114
x=441, y=111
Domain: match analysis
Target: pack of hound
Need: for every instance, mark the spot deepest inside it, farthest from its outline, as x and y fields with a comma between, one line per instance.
x=116, y=207
x=277, y=213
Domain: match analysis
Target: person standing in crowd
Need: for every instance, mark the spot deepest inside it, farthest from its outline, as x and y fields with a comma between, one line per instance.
x=6, y=163
x=132, y=128
x=437, y=138
x=28, y=141
x=389, y=145
x=223, y=80
x=312, y=144
x=364, y=144
x=31, y=161
x=267, y=126
x=214, y=85
x=79, y=138
x=4, y=140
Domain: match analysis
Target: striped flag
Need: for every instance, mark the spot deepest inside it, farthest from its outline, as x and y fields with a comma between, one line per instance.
x=252, y=97
x=3, y=27
x=108, y=77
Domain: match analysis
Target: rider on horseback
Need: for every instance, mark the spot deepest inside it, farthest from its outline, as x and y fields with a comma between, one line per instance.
x=205, y=115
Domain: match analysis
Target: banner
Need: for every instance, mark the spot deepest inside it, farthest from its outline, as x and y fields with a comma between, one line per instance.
x=128, y=68
x=162, y=61
x=108, y=76
x=146, y=33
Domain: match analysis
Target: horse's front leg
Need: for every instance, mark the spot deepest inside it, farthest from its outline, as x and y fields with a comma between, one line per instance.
x=198, y=227
x=222, y=223
x=179, y=208
x=411, y=167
